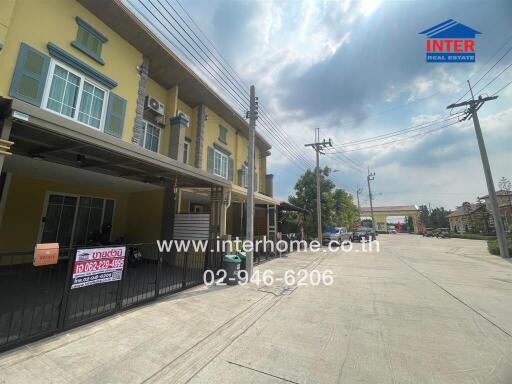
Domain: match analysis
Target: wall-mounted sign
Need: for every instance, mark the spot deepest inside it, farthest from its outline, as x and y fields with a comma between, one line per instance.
x=97, y=265
x=46, y=254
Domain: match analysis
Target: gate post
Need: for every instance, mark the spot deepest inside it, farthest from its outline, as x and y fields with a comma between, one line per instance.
x=67, y=289
x=158, y=272
x=120, y=285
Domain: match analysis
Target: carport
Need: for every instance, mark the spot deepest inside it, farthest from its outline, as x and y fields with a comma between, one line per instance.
x=61, y=169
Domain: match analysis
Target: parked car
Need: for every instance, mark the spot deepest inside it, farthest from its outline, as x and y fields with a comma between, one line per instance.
x=443, y=233
x=428, y=232
x=363, y=234
x=337, y=234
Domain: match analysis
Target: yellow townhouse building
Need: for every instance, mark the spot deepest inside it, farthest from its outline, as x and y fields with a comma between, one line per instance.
x=109, y=142
x=113, y=134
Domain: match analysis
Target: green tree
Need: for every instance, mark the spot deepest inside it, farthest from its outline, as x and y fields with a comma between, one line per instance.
x=425, y=216
x=409, y=224
x=439, y=218
x=346, y=213
x=338, y=208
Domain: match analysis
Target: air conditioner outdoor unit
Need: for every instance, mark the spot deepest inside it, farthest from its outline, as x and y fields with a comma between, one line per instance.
x=184, y=115
x=154, y=106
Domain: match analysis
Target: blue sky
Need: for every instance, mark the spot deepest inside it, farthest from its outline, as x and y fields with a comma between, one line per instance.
x=356, y=69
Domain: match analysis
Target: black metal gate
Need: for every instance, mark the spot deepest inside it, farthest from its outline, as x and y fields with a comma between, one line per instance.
x=36, y=302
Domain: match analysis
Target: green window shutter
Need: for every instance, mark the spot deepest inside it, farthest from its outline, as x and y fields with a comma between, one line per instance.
x=114, y=121
x=30, y=75
x=256, y=184
x=230, y=169
x=209, y=160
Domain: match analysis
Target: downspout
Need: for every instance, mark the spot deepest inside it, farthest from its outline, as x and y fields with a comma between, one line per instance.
x=141, y=96
x=201, y=117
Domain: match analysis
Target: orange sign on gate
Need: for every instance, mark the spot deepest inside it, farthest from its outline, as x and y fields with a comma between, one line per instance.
x=46, y=254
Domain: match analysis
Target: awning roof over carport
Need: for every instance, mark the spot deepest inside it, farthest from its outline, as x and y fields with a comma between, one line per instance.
x=286, y=206
x=47, y=136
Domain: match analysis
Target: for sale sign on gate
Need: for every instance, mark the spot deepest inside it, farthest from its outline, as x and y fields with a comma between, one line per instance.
x=97, y=265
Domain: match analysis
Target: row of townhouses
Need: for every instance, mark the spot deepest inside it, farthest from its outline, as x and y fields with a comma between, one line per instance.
x=114, y=137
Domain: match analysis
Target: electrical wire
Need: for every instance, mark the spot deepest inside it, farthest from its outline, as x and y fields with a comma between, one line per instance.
x=502, y=88
x=399, y=132
x=289, y=152
x=403, y=139
x=492, y=80
x=239, y=90
x=230, y=69
x=489, y=70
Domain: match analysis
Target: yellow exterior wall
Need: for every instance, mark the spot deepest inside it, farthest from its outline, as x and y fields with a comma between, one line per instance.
x=237, y=144
x=144, y=216
x=7, y=7
x=25, y=204
x=38, y=23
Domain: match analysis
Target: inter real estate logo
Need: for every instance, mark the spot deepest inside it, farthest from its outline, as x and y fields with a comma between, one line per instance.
x=450, y=42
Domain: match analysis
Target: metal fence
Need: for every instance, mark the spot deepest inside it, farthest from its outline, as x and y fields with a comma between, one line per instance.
x=36, y=302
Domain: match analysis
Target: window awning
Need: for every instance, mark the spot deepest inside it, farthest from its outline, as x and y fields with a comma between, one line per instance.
x=41, y=134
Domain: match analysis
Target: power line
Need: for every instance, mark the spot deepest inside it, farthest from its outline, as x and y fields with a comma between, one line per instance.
x=223, y=69
x=213, y=76
x=492, y=80
x=290, y=153
x=230, y=69
x=347, y=160
x=502, y=88
x=403, y=139
x=397, y=132
x=488, y=61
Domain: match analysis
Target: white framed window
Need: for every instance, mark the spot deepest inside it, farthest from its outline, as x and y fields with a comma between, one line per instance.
x=70, y=94
x=220, y=164
x=150, y=136
x=186, y=151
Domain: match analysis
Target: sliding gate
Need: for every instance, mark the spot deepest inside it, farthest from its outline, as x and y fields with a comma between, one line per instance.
x=36, y=302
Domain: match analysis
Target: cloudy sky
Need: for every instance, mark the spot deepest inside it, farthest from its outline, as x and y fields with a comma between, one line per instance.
x=356, y=69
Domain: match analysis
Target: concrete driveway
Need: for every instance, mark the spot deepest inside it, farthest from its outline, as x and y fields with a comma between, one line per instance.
x=421, y=310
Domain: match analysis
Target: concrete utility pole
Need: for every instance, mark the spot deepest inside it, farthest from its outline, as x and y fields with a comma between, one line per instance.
x=370, y=177
x=358, y=192
x=318, y=146
x=471, y=112
x=249, y=234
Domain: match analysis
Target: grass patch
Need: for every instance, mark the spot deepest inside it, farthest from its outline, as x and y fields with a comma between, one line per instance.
x=494, y=248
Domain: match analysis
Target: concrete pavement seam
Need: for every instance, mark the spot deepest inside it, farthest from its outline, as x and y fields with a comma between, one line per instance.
x=262, y=372
x=456, y=298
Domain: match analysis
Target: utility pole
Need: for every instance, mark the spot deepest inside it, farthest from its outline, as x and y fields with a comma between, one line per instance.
x=358, y=192
x=249, y=233
x=318, y=146
x=370, y=177
x=471, y=112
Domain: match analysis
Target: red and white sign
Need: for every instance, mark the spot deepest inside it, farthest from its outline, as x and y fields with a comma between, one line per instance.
x=97, y=265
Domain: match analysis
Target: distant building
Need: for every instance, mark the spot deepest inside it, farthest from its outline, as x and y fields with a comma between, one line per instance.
x=381, y=215
x=473, y=218
x=505, y=206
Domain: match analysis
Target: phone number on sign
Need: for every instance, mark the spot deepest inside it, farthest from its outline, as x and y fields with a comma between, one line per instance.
x=98, y=265
x=291, y=277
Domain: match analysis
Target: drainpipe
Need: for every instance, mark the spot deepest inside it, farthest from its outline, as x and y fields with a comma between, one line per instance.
x=225, y=204
x=141, y=96
x=201, y=117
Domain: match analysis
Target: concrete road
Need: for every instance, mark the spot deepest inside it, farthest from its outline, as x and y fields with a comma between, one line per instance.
x=421, y=310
